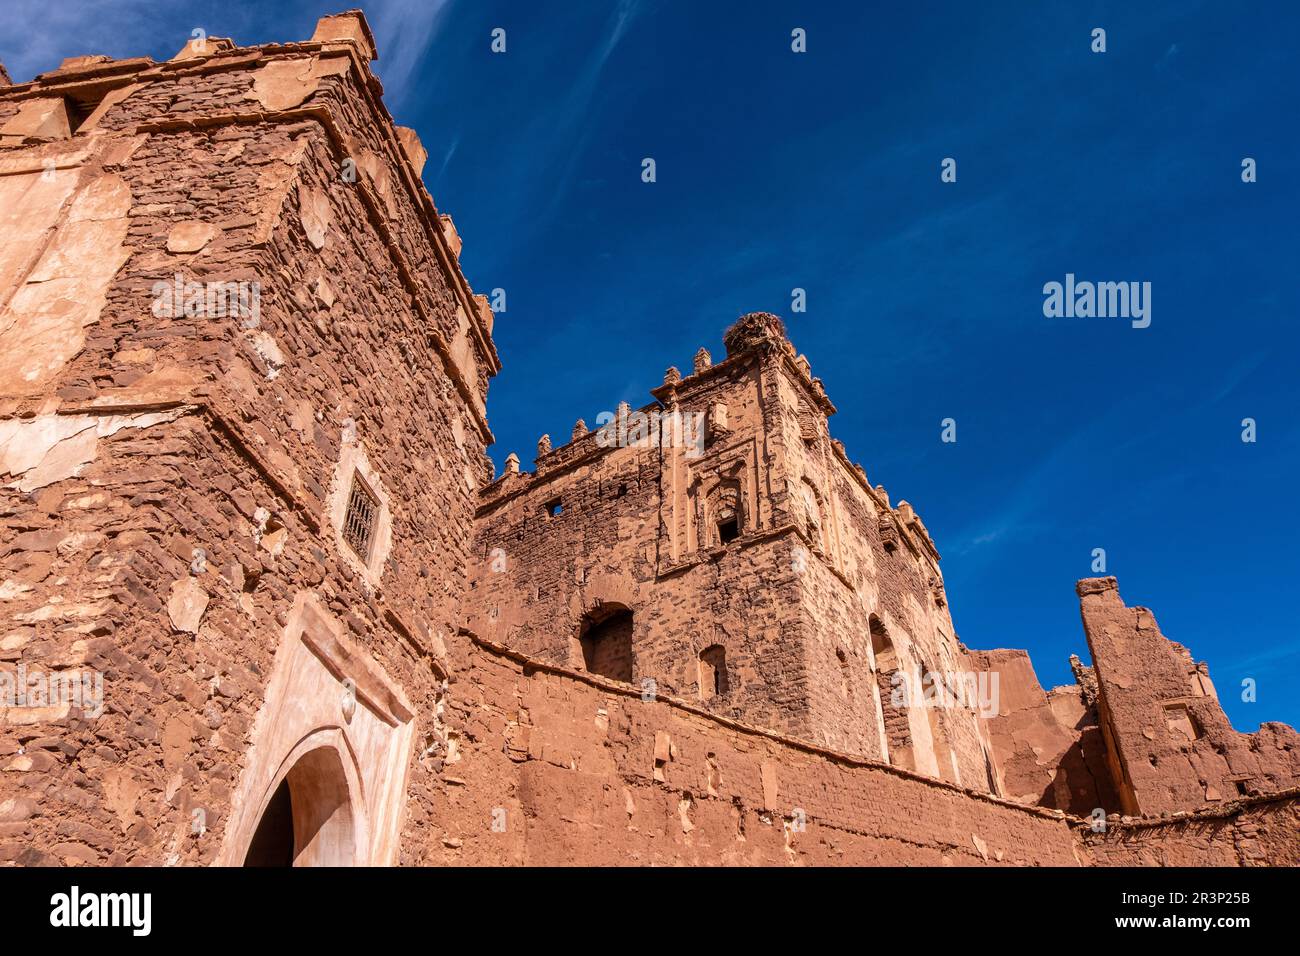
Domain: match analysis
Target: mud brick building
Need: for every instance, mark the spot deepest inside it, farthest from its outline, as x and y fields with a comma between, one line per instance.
x=753, y=566
x=244, y=486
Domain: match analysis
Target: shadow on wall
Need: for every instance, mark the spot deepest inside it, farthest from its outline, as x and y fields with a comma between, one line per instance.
x=308, y=820
x=606, y=639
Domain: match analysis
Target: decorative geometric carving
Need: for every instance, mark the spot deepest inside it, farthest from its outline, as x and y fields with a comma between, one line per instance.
x=936, y=591
x=717, y=422
x=888, y=533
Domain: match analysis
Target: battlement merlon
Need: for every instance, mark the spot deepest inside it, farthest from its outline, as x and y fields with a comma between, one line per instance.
x=350, y=26
x=763, y=333
x=85, y=96
x=753, y=336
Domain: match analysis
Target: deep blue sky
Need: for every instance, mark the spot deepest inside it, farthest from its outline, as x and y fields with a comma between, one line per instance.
x=821, y=171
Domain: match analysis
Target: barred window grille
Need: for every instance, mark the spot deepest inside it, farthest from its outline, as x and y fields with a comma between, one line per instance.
x=359, y=523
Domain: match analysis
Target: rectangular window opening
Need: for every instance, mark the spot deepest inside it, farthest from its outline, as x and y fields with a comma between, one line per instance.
x=361, y=518
x=79, y=111
x=82, y=101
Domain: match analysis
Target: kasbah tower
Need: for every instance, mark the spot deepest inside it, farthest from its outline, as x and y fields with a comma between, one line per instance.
x=263, y=599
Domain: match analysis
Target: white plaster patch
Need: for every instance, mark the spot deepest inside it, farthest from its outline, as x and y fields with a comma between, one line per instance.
x=314, y=207
x=42, y=327
x=266, y=347
x=40, y=451
x=190, y=236
x=12, y=589
x=186, y=606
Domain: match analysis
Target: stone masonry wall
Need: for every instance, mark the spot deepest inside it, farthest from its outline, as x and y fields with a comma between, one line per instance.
x=170, y=479
x=1254, y=831
x=628, y=534
x=868, y=560
x=578, y=770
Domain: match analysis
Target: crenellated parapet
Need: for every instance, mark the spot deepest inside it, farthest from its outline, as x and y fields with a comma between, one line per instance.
x=552, y=461
x=759, y=496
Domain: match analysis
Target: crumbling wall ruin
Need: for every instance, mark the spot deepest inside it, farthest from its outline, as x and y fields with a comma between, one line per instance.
x=1049, y=744
x=1170, y=745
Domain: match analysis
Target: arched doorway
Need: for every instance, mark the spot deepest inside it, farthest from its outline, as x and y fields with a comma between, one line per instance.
x=308, y=819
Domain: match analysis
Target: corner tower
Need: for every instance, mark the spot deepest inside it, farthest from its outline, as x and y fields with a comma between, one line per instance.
x=242, y=386
x=762, y=574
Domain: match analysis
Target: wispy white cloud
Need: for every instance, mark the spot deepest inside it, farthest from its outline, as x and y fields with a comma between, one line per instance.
x=51, y=31
x=1265, y=657
x=570, y=118
x=538, y=188
x=979, y=540
x=404, y=30
x=446, y=159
